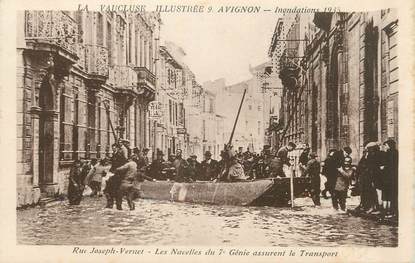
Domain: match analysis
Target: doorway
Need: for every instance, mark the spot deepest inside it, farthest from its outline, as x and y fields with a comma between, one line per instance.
x=46, y=133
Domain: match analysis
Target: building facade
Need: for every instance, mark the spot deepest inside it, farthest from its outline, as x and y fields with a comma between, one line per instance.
x=171, y=96
x=250, y=129
x=340, y=78
x=83, y=80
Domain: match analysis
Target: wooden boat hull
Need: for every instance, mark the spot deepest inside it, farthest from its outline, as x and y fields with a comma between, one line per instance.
x=258, y=192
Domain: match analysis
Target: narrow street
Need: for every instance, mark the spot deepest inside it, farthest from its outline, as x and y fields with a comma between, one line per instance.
x=166, y=223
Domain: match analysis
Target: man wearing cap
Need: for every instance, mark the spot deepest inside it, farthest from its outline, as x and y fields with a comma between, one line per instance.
x=209, y=168
x=155, y=169
x=313, y=171
x=112, y=187
x=143, y=162
x=303, y=160
x=342, y=184
x=181, y=167
x=281, y=159
x=240, y=153
x=124, y=148
x=194, y=168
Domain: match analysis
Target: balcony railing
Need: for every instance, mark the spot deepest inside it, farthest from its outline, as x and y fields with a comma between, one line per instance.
x=146, y=77
x=123, y=77
x=96, y=60
x=52, y=27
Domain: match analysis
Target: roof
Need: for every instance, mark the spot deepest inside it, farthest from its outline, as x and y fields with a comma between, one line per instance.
x=169, y=58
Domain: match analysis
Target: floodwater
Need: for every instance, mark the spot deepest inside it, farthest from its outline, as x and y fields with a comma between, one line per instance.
x=166, y=223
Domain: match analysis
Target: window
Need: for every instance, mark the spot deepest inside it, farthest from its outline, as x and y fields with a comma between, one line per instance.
x=259, y=127
x=250, y=107
x=170, y=112
x=100, y=27
x=130, y=43
x=136, y=45
x=204, y=131
x=109, y=43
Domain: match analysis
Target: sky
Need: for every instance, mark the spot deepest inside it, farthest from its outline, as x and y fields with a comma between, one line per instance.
x=220, y=46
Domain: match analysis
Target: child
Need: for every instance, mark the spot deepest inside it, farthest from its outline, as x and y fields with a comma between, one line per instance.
x=342, y=184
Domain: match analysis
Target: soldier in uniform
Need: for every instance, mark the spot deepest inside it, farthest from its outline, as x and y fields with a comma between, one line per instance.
x=127, y=173
x=113, y=184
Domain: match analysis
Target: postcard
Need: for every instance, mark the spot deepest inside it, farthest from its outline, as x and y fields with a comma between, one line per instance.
x=203, y=131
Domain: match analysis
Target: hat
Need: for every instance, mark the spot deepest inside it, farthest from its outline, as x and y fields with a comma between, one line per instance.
x=291, y=144
x=313, y=155
x=371, y=145
x=208, y=153
x=145, y=150
x=193, y=156
x=347, y=149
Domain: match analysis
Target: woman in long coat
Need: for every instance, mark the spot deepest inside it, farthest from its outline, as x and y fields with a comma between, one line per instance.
x=368, y=171
x=76, y=187
x=390, y=193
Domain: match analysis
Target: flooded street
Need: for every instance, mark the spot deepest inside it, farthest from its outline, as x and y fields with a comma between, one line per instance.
x=166, y=223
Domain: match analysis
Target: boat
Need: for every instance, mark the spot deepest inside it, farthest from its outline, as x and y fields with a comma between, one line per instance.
x=261, y=192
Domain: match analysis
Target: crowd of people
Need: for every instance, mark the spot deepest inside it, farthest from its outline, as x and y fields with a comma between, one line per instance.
x=374, y=178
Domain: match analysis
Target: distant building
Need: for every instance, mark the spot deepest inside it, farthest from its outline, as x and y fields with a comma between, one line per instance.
x=171, y=132
x=250, y=130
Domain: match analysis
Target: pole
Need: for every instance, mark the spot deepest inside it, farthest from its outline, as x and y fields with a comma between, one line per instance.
x=237, y=117
x=292, y=186
x=107, y=109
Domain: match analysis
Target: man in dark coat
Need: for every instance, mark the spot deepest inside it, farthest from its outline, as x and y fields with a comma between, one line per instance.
x=75, y=187
x=368, y=171
x=156, y=168
x=313, y=171
x=391, y=162
x=112, y=188
x=330, y=172
x=181, y=167
x=194, y=168
x=303, y=160
x=209, y=168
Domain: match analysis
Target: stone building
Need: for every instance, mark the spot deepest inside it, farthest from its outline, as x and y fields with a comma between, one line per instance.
x=345, y=80
x=71, y=66
x=250, y=129
x=172, y=130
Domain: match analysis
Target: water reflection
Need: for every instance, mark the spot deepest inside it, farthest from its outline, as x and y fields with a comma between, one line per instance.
x=165, y=223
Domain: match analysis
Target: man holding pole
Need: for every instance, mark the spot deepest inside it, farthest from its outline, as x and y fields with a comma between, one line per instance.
x=280, y=160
